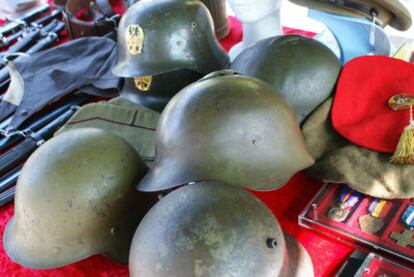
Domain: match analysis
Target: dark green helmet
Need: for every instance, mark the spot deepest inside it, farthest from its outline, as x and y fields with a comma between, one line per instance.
x=154, y=92
x=158, y=36
x=230, y=128
x=213, y=229
x=75, y=197
x=217, y=9
x=302, y=70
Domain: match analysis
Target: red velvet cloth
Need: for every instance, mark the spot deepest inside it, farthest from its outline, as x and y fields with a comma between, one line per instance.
x=360, y=111
x=286, y=203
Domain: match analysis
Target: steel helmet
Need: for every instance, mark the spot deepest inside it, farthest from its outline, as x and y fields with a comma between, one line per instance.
x=302, y=70
x=154, y=92
x=229, y=128
x=75, y=197
x=213, y=229
x=158, y=36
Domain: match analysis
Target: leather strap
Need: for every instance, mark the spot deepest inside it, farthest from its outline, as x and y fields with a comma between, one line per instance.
x=59, y=3
x=104, y=18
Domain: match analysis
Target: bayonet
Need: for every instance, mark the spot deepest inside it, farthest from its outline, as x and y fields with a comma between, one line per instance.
x=32, y=140
x=23, y=21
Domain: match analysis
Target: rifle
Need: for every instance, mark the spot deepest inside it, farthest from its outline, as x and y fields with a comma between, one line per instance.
x=33, y=140
x=10, y=178
x=51, y=37
x=16, y=24
x=7, y=196
x=29, y=36
x=38, y=24
x=15, y=136
x=6, y=182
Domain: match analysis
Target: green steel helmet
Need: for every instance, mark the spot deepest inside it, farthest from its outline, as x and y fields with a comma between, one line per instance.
x=302, y=70
x=154, y=92
x=76, y=197
x=228, y=128
x=158, y=36
x=213, y=229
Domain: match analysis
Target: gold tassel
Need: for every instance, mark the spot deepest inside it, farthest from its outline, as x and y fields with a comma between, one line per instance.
x=404, y=154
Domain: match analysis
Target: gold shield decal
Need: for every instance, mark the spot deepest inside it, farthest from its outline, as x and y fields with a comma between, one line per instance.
x=143, y=83
x=134, y=36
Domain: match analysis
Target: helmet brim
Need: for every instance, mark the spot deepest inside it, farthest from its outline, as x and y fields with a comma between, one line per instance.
x=18, y=248
x=300, y=263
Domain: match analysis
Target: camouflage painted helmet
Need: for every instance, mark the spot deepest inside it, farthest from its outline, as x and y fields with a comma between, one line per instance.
x=229, y=128
x=158, y=36
x=75, y=197
x=213, y=229
x=302, y=70
x=154, y=92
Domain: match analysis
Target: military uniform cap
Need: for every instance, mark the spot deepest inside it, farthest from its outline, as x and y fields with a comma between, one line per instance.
x=391, y=12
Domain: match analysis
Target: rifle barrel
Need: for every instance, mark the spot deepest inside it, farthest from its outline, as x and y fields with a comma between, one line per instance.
x=10, y=178
x=23, y=21
x=7, y=196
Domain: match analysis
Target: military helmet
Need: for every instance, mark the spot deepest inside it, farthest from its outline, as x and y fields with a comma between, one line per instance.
x=302, y=70
x=213, y=229
x=157, y=36
x=229, y=128
x=154, y=92
x=75, y=197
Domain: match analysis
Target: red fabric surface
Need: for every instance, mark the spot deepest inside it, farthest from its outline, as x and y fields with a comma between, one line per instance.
x=286, y=203
x=360, y=111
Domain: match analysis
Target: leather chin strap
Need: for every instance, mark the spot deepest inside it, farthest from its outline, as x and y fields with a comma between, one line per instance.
x=104, y=21
x=369, y=11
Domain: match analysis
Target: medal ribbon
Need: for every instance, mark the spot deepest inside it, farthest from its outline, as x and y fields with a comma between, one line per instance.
x=376, y=207
x=408, y=216
x=349, y=198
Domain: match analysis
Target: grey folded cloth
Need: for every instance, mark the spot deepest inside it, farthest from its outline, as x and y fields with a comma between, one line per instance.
x=340, y=161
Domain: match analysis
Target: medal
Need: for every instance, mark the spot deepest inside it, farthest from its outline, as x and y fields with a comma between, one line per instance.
x=405, y=238
x=143, y=83
x=372, y=223
x=348, y=199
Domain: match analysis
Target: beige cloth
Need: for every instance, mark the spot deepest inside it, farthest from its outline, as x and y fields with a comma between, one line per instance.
x=134, y=123
x=12, y=9
x=340, y=161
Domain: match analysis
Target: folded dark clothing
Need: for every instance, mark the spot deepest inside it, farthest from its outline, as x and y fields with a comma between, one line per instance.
x=83, y=63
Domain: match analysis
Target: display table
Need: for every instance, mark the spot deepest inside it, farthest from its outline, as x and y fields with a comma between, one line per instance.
x=286, y=203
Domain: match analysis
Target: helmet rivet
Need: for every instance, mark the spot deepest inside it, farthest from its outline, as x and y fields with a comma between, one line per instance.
x=114, y=230
x=161, y=195
x=271, y=243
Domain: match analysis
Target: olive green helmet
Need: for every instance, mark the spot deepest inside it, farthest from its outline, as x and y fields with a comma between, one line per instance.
x=75, y=197
x=229, y=128
x=302, y=70
x=213, y=229
x=154, y=92
x=158, y=36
